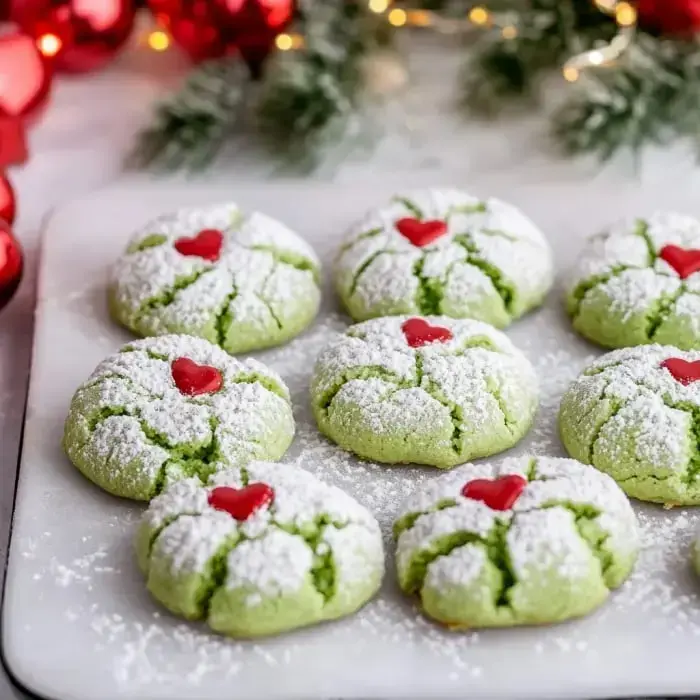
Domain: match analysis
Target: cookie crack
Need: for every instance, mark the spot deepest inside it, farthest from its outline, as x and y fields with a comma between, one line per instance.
x=590, y=531
x=411, y=206
x=225, y=318
x=372, y=233
x=617, y=406
x=505, y=290
x=167, y=296
x=361, y=269
x=642, y=230
x=287, y=257
x=661, y=310
x=583, y=287
x=364, y=372
x=429, y=294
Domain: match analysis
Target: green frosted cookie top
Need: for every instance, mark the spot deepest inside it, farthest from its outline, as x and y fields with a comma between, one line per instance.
x=307, y=543
x=241, y=281
x=387, y=393
x=635, y=413
x=444, y=252
x=638, y=283
x=174, y=406
x=481, y=550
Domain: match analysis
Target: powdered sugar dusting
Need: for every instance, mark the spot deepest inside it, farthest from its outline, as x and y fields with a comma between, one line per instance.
x=380, y=271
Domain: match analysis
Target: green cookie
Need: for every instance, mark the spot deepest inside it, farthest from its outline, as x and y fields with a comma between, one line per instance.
x=635, y=414
x=531, y=540
x=260, y=550
x=444, y=252
x=167, y=408
x=639, y=284
x=242, y=282
x=433, y=390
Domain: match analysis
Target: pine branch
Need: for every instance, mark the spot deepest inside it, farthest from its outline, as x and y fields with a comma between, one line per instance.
x=190, y=126
x=310, y=95
x=548, y=32
x=651, y=96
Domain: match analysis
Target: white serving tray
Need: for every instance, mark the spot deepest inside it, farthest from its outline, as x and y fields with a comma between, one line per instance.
x=78, y=623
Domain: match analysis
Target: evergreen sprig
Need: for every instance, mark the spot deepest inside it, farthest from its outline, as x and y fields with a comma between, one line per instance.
x=190, y=127
x=302, y=101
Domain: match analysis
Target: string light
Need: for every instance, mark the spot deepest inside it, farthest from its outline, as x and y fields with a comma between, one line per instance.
x=288, y=42
x=479, y=16
x=49, y=45
x=419, y=18
x=509, y=32
x=625, y=14
x=158, y=40
x=378, y=6
x=398, y=17
x=626, y=17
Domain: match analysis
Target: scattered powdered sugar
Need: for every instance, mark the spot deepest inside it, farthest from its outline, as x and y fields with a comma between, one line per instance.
x=135, y=645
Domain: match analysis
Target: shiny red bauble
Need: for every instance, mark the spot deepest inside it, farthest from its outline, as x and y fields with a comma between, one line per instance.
x=78, y=35
x=10, y=263
x=25, y=76
x=212, y=28
x=670, y=17
x=8, y=203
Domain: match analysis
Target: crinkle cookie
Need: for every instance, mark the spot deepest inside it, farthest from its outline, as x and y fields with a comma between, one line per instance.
x=167, y=408
x=444, y=252
x=639, y=283
x=260, y=550
x=635, y=414
x=242, y=282
x=525, y=541
x=433, y=390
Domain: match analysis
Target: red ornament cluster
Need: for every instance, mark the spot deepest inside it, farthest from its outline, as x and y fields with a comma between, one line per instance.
x=241, y=503
x=76, y=35
x=193, y=379
x=10, y=263
x=418, y=332
x=497, y=494
x=683, y=371
x=207, y=29
x=670, y=17
x=206, y=244
x=421, y=233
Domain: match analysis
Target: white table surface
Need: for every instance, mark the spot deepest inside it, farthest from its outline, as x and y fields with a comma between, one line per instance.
x=91, y=120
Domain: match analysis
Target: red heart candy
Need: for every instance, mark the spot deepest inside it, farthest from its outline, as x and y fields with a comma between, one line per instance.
x=421, y=233
x=683, y=371
x=241, y=503
x=497, y=494
x=684, y=262
x=193, y=379
x=206, y=244
x=419, y=332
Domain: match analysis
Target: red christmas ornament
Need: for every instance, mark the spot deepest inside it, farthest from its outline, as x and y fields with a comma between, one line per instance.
x=10, y=263
x=13, y=145
x=8, y=203
x=679, y=17
x=25, y=76
x=78, y=35
x=212, y=28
